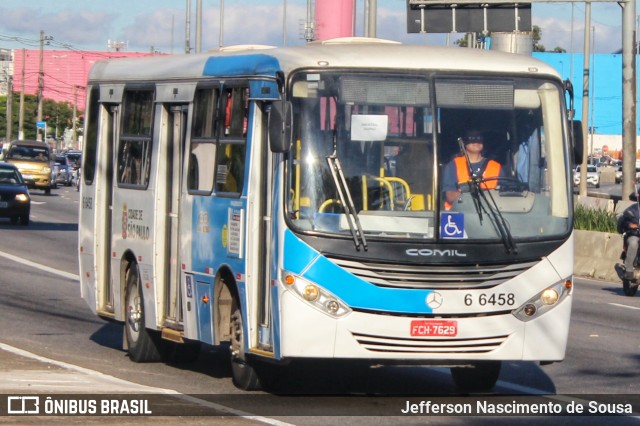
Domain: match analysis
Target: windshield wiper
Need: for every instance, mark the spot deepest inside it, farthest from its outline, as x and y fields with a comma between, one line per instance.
x=347, y=202
x=474, y=184
x=479, y=196
x=499, y=221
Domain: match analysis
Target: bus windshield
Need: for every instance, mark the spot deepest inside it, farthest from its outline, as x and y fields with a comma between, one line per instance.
x=374, y=156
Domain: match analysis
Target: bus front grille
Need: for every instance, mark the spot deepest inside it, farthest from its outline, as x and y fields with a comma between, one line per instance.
x=429, y=345
x=434, y=276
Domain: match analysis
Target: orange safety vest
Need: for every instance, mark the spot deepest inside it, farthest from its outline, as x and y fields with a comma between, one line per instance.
x=462, y=171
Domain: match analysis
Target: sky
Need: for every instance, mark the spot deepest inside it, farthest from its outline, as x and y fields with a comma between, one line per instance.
x=159, y=25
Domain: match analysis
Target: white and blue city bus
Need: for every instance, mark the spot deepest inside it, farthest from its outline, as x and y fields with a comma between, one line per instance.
x=287, y=202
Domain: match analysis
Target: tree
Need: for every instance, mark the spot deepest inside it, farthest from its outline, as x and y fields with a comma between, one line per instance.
x=537, y=47
x=536, y=36
x=462, y=42
x=58, y=115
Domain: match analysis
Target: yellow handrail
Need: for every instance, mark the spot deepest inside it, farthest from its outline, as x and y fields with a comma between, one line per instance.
x=327, y=203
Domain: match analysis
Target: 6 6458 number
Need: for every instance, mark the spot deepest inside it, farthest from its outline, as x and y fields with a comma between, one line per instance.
x=493, y=299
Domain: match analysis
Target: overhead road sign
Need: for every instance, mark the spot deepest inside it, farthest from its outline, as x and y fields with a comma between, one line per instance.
x=444, y=16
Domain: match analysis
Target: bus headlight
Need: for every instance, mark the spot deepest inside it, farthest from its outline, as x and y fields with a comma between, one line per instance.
x=311, y=293
x=549, y=296
x=314, y=295
x=542, y=302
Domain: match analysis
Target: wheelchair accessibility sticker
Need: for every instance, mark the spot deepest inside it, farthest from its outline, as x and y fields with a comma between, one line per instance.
x=452, y=225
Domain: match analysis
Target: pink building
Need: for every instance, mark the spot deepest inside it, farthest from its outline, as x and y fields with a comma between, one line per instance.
x=65, y=72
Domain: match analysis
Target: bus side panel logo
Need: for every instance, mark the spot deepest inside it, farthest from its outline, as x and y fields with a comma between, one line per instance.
x=452, y=225
x=189, y=286
x=124, y=222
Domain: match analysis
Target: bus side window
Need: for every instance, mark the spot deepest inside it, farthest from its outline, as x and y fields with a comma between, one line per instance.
x=192, y=173
x=134, y=152
x=230, y=168
x=130, y=164
x=230, y=157
x=202, y=152
x=236, y=112
x=200, y=167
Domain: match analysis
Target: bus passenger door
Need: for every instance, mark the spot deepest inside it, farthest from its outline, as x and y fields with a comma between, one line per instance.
x=104, y=199
x=261, y=240
x=172, y=182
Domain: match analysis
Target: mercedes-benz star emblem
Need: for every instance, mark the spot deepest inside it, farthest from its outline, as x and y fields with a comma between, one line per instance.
x=434, y=300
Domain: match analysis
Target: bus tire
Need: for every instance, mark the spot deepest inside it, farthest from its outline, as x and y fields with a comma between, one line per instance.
x=143, y=345
x=243, y=373
x=481, y=377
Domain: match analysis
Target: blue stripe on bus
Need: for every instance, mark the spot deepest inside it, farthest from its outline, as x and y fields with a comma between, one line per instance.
x=352, y=290
x=241, y=66
x=298, y=254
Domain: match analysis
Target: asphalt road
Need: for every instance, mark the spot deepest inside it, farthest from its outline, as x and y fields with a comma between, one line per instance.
x=71, y=350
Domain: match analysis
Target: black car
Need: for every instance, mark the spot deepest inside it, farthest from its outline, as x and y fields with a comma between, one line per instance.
x=15, y=201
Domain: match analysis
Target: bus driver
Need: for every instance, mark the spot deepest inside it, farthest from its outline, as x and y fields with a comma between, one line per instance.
x=456, y=172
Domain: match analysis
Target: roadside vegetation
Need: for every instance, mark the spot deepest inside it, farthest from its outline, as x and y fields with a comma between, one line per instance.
x=58, y=115
x=590, y=219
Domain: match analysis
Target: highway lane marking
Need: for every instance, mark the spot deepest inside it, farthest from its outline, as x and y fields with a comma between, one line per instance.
x=39, y=266
x=98, y=374
x=151, y=389
x=625, y=306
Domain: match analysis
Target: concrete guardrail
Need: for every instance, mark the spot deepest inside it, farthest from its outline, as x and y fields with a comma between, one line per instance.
x=596, y=253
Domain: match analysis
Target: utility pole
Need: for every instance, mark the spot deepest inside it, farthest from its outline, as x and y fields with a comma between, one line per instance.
x=284, y=23
x=629, y=107
x=372, y=12
x=585, y=98
x=21, y=112
x=40, y=85
x=187, y=31
x=74, y=137
x=198, y=26
x=221, y=38
x=308, y=28
x=9, y=135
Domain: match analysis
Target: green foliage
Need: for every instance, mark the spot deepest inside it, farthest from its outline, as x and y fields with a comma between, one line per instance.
x=589, y=219
x=58, y=115
x=536, y=36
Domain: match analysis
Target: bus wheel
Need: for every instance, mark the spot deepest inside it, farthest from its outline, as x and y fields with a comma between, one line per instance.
x=481, y=377
x=143, y=345
x=243, y=374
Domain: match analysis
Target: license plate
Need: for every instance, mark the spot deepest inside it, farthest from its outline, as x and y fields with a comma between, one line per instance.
x=434, y=328
x=4, y=204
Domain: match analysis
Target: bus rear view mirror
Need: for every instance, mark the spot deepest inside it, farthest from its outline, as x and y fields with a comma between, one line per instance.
x=280, y=117
x=577, y=141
